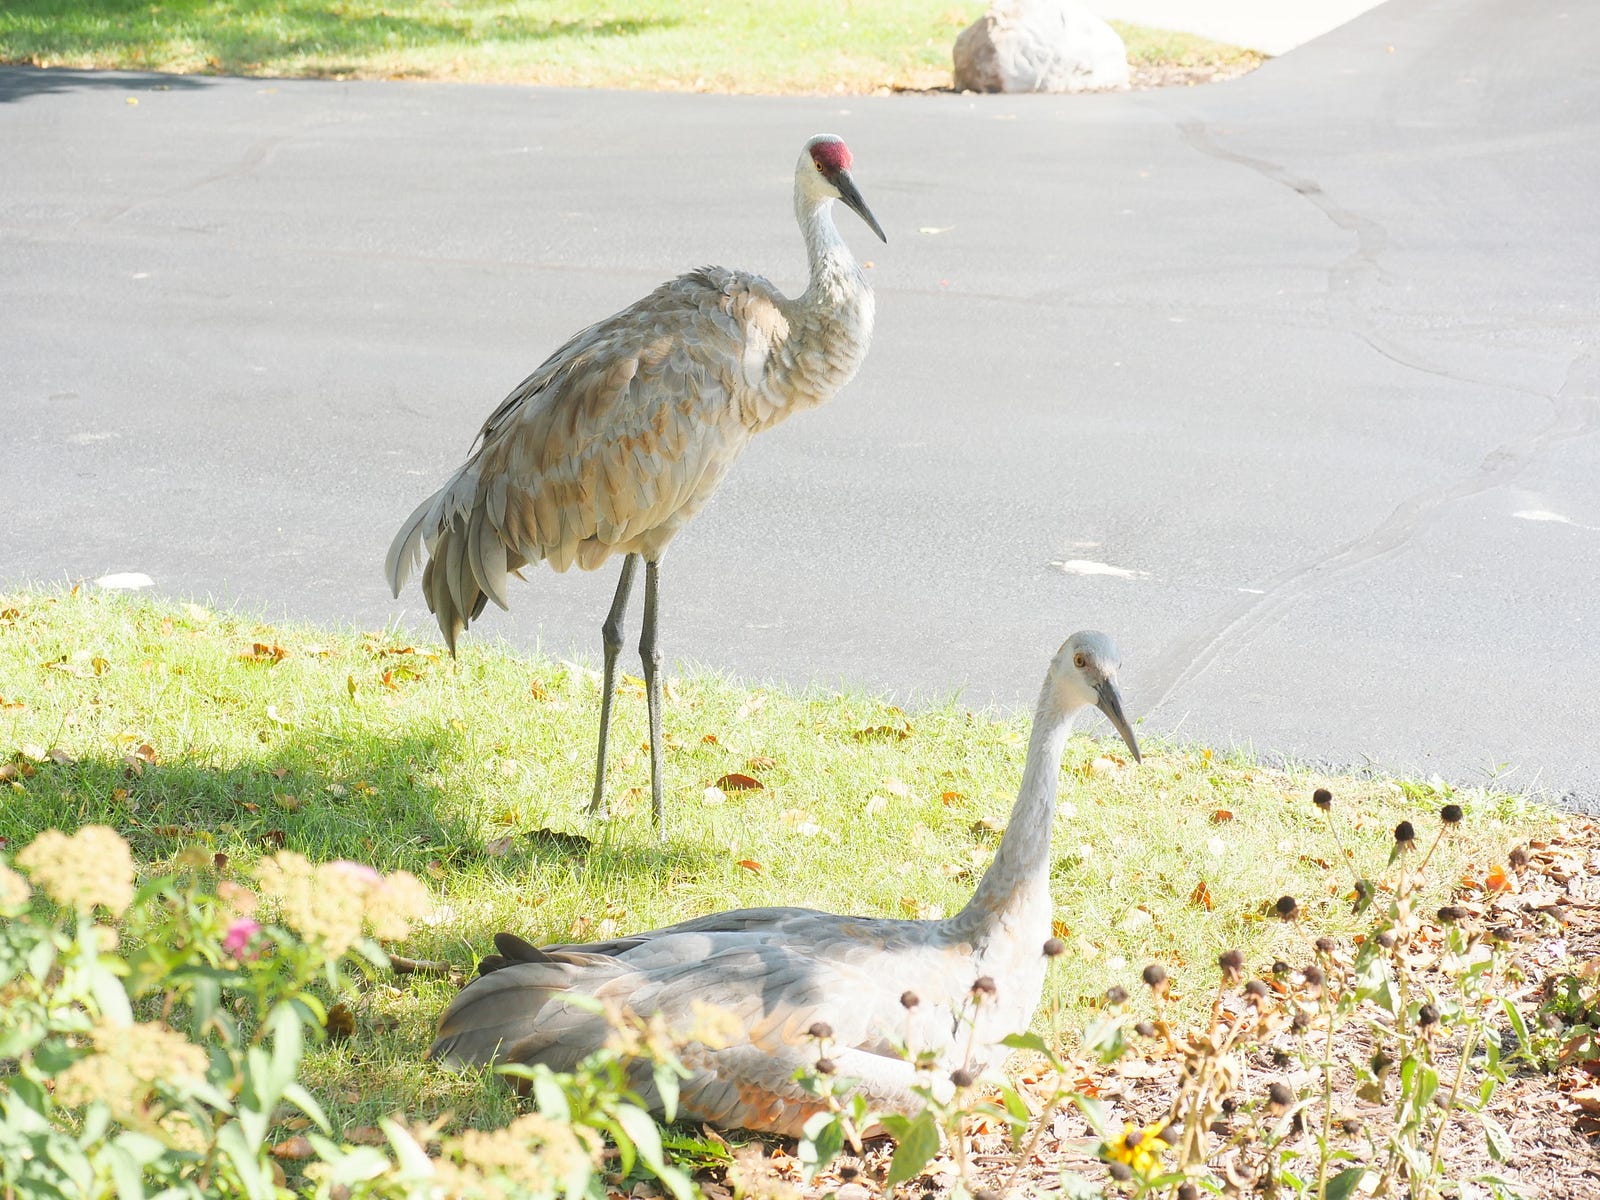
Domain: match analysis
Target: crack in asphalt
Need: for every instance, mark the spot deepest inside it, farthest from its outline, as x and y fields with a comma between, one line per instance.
x=1576, y=412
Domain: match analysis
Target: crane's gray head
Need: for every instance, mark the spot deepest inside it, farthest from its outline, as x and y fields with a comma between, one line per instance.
x=823, y=173
x=1084, y=673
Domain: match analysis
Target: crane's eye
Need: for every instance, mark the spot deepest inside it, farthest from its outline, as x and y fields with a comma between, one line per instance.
x=818, y=166
x=1079, y=661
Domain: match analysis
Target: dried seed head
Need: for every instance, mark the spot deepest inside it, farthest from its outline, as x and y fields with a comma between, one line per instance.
x=1314, y=976
x=1229, y=1104
x=1325, y=944
x=1256, y=990
x=963, y=1077
x=1287, y=907
x=1385, y=939
x=1518, y=856
x=1450, y=914
x=983, y=985
x=1120, y=1171
x=1301, y=1022
x=1054, y=948
x=1279, y=968
x=848, y=1172
x=1350, y=1126
x=1155, y=975
x=1145, y=1029
x=1502, y=933
x=909, y=1000
x=1280, y=1058
x=820, y=1030
x=1116, y=996
x=1427, y=1015
x=1280, y=1096
x=1232, y=964
x=1322, y=798
x=826, y=1066
x=986, y=1194
x=1405, y=834
x=1189, y=1191
x=1170, y=1133
x=1451, y=814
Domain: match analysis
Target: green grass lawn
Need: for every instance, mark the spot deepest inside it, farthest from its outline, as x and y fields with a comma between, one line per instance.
x=697, y=45
x=181, y=726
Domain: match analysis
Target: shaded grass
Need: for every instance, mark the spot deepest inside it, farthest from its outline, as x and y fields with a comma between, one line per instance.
x=700, y=45
x=182, y=726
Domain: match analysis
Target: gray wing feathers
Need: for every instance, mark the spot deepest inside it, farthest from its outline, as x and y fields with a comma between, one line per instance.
x=774, y=971
x=614, y=442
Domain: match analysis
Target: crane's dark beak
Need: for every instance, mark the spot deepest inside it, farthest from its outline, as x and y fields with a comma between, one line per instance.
x=849, y=193
x=1110, y=703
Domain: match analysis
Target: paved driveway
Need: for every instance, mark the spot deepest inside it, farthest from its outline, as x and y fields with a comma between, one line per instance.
x=1296, y=375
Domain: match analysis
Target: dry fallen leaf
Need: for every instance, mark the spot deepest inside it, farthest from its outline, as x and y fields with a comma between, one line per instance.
x=267, y=652
x=1201, y=897
x=736, y=782
x=293, y=1148
x=750, y=864
x=760, y=762
x=1497, y=880
x=1221, y=816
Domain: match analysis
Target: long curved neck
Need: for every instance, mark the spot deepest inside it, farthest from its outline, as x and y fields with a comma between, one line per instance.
x=835, y=275
x=1015, y=891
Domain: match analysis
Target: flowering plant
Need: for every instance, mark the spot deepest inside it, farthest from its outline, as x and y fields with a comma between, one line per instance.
x=150, y=1032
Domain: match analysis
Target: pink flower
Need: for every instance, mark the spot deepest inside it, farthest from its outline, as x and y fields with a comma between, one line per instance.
x=239, y=936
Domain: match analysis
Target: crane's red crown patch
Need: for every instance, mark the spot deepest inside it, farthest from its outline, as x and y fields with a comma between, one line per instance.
x=831, y=156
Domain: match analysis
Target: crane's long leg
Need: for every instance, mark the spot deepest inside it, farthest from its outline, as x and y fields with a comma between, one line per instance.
x=611, y=635
x=650, y=656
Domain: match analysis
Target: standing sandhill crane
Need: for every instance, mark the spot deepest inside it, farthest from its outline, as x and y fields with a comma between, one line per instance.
x=621, y=436
x=777, y=972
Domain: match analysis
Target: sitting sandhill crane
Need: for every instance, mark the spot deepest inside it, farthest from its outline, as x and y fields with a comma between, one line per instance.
x=621, y=436
x=776, y=973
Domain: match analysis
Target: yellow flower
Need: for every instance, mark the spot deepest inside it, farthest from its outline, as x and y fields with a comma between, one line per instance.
x=327, y=904
x=1139, y=1148
x=394, y=903
x=127, y=1063
x=533, y=1151
x=14, y=891
x=93, y=866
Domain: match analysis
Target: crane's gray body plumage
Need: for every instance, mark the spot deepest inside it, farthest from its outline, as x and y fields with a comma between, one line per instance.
x=622, y=435
x=777, y=971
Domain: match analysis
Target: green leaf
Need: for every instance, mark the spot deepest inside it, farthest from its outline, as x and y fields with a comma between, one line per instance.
x=126, y=1173
x=243, y=1154
x=1076, y=1187
x=1499, y=1141
x=666, y=1080
x=413, y=1159
x=1343, y=1185
x=824, y=1138
x=914, y=1151
x=1093, y=1112
x=644, y=1133
x=549, y=1096
x=1518, y=1026
x=297, y=1095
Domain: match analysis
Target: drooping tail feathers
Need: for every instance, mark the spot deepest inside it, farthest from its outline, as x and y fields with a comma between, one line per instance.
x=517, y=1011
x=468, y=562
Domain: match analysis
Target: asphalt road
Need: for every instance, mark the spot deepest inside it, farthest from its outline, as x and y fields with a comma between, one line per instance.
x=1306, y=361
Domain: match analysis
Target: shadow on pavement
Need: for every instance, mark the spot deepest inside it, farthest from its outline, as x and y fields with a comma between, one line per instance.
x=19, y=83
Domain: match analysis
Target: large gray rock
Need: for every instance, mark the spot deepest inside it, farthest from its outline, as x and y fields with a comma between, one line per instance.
x=1039, y=46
